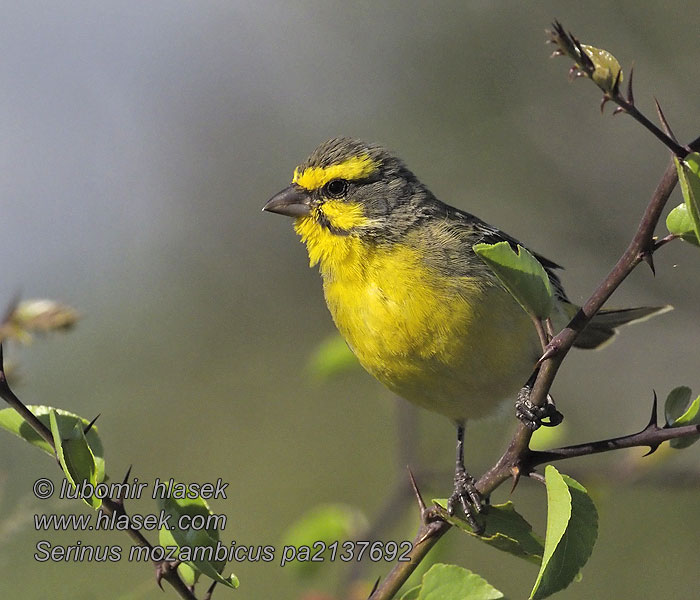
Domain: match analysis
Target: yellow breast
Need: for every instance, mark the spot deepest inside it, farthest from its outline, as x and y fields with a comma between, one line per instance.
x=454, y=345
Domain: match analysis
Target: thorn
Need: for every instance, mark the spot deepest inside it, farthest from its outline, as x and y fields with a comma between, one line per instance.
x=653, y=420
x=374, y=587
x=664, y=122
x=88, y=427
x=424, y=537
x=556, y=53
x=550, y=351
x=515, y=472
x=652, y=449
x=630, y=93
x=128, y=472
x=159, y=577
x=431, y=528
x=648, y=258
x=416, y=491
x=603, y=102
x=118, y=500
x=694, y=146
x=210, y=591
x=618, y=110
x=573, y=72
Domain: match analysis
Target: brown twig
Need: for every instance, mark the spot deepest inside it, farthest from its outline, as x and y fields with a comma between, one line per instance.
x=518, y=458
x=514, y=459
x=652, y=436
x=432, y=528
x=570, y=46
x=559, y=347
x=8, y=395
x=109, y=505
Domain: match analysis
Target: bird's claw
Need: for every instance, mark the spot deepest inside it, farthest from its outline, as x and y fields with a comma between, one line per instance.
x=468, y=497
x=532, y=416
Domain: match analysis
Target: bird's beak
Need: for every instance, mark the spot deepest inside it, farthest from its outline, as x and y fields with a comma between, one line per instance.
x=293, y=201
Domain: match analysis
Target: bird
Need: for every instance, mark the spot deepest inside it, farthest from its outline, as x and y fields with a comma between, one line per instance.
x=416, y=305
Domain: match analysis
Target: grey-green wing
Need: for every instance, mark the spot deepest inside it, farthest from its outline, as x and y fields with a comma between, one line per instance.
x=482, y=232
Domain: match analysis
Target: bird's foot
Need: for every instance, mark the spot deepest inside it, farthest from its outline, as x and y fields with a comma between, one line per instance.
x=468, y=497
x=532, y=416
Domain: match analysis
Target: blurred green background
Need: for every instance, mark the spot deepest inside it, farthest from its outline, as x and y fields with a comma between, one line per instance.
x=141, y=139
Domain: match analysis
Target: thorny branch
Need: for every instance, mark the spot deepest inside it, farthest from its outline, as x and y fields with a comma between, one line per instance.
x=433, y=527
x=604, y=70
x=109, y=505
x=518, y=459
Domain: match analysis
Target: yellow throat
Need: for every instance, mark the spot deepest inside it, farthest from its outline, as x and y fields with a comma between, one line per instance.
x=429, y=337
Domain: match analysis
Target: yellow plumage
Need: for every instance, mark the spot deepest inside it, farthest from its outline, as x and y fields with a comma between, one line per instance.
x=427, y=337
x=419, y=309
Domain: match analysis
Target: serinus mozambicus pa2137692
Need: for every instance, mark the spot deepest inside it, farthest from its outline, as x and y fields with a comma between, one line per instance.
x=420, y=310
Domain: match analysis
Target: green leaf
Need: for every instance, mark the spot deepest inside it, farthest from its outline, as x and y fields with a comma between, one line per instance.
x=411, y=594
x=607, y=67
x=680, y=223
x=572, y=529
x=505, y=530
x=682, y=412
x=74, y=455
x=190, y=570
x=545, y=438
x=598, y=64
x=689, y=178
x=11, y=420
x=450, y=582
x=331, y=357
x=189, y=539
x=188, y=574
x=522, y=275
x=324, y=523
x=676, y=403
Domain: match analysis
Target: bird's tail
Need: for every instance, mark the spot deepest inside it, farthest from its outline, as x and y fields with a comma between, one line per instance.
x=604, y=325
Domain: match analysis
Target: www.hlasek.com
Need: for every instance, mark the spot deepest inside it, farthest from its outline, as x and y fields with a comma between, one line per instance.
x=319, y=551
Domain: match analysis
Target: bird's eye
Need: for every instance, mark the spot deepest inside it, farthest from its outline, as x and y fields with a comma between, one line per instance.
x=336, y=188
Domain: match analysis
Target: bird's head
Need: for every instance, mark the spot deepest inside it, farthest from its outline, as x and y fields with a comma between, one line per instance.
x=349, y=189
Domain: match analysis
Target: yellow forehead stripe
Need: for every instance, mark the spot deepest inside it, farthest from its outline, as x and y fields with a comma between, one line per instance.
x=357, y=167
